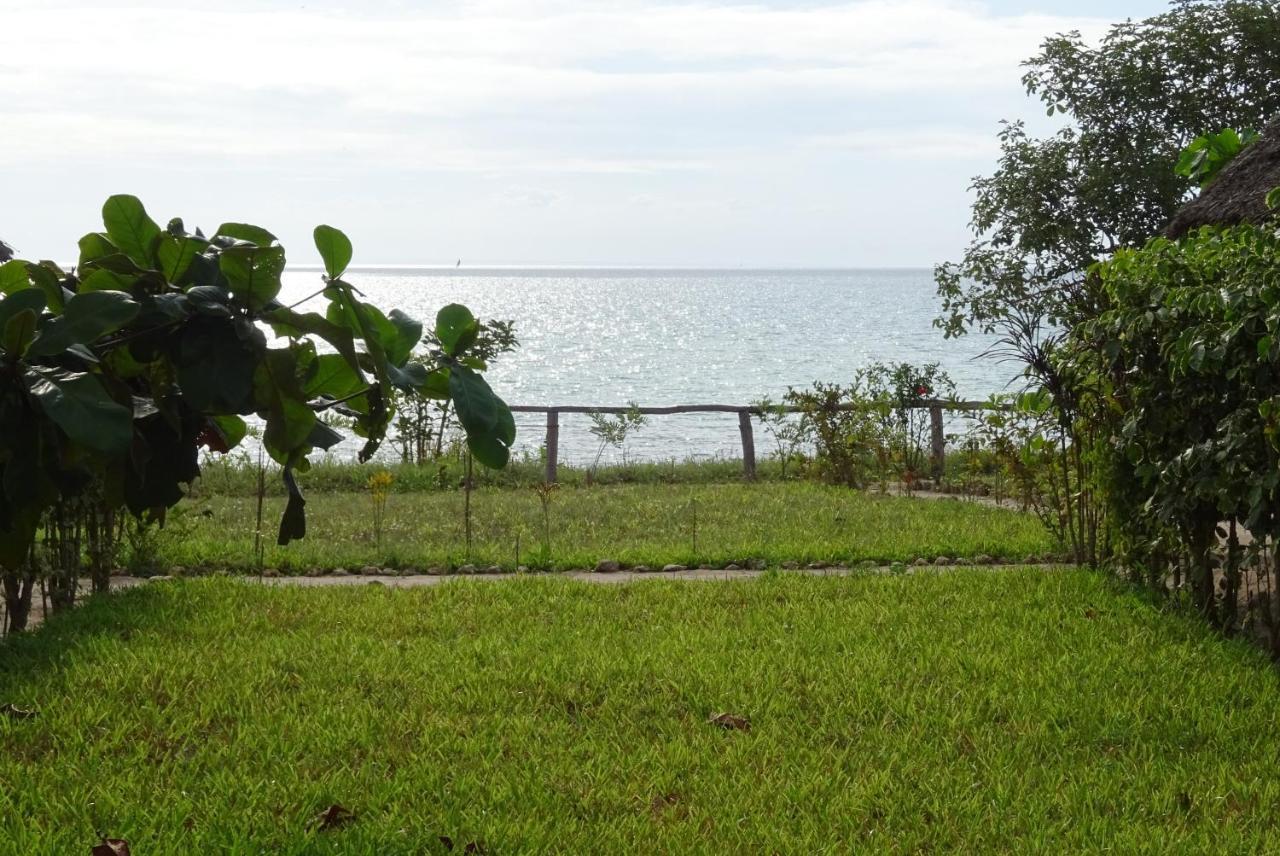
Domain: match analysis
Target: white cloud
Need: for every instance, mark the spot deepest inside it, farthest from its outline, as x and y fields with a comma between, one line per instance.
x=245, y=81
x=685, y=131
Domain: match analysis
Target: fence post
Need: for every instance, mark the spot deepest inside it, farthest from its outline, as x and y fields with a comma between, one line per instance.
x=748, y=445
x=938, y=441
x=553, y=443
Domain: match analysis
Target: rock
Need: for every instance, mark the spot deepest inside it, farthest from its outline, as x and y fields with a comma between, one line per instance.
x=757, y=564
x=270, y=572
x=522, y=569
x=493, y=569
x=371, y=570
x=177, y=571
x=962, y=561
x=732, y=567
x=607, y=566
x=159, y=578
x=673, y=568
x=705, y=568
x=435, y=570
x=983, y=560
x=790, y=566
x=816, y=566
x=339, y=572
x=641, y=569
x=314, y=572
x=921, y=562
x=942, y=561
x=467, y=569
x=1031, y=560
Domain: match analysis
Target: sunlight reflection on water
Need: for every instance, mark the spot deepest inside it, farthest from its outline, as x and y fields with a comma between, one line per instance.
x=607, y=337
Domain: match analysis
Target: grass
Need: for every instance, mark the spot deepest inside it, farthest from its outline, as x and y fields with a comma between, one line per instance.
x=969, y=711
x=649, y=524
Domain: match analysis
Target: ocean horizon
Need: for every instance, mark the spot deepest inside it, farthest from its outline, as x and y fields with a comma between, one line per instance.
x=609, y=336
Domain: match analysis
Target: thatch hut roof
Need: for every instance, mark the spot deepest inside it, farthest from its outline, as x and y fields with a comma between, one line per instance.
x=1238, y=194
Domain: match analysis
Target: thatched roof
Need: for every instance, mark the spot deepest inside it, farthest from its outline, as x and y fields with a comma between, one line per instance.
x=1237, y=195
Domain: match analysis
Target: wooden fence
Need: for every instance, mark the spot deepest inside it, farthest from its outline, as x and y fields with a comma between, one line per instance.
x=938, y=440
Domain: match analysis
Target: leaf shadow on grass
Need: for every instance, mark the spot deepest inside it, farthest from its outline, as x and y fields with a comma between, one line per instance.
x=117, y=616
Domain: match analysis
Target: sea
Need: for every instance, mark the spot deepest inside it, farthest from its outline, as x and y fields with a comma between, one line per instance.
x=610, y=337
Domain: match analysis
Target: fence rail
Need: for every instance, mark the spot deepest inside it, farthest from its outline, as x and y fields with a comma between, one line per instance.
x=936, y=407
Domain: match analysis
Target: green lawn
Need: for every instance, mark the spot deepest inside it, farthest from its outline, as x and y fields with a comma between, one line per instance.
x=650, y=524
x=975, y=710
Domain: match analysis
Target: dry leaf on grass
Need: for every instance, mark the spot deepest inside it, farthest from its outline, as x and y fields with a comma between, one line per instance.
x=731, y=722
x=111, y=847
x=334, y=817
x=14, y=712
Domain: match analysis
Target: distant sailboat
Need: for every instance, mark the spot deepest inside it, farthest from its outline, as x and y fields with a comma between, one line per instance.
x=459, y=264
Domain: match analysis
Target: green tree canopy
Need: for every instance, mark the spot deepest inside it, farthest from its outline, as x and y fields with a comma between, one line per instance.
x=1106, y=180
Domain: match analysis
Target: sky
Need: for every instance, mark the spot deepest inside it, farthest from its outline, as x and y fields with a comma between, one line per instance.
x=688, y=134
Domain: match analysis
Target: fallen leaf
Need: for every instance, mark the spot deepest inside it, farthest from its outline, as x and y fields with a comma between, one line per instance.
x=14, y=712
x=111, y=847
x=731, y=722
x=334, y=817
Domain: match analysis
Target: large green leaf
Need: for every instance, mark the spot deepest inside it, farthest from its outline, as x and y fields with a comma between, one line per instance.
x=289, y=425
x=253, y=273
x=331, y=375
x=246, y=232
x=28, y=299
x=13, y=276
x=19, y=330
x=100, y=279
x=80, y=406
x=176, y=253
x=456, y=328
x=48, y=277
x=94, y=246
x=232, y=428
x=484, y=416
x=85, y=319
x=408, y=334
x=335, y=250
x=216, y=367
x=130, y=229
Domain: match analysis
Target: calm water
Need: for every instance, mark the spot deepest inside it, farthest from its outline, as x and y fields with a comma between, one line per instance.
x=607, y=337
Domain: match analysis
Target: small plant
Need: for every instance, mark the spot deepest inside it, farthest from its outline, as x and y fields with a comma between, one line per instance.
x=613, y=431
x=787, y=433
x=545, y=492
x=379, y=488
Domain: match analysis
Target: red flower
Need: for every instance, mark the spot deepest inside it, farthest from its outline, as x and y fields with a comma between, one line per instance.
x=922, y=390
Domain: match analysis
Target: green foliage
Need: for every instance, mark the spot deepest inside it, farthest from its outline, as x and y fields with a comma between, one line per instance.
x=614, y=430
x=426, y=416
x=1185, y=371
x=1205, y=157
x=1056, y=205
x=115, y=374
x=875, y=428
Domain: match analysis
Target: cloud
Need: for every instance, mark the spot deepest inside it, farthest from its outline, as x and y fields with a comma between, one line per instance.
x=284, y=81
